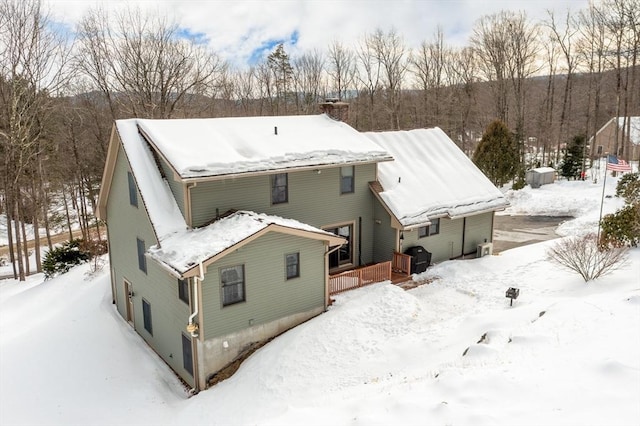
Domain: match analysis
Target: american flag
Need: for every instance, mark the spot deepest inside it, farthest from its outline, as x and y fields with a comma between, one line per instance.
x=617, y=164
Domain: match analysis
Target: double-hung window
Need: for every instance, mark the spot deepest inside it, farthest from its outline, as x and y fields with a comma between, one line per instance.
x=232, y=279
x=347, y=182
x=293, y=265
x=279, y=188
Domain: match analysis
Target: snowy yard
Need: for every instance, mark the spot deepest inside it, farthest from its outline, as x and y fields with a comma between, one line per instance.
x=451, y=352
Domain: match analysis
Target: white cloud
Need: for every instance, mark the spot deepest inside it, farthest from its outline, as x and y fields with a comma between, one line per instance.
x=237, y=28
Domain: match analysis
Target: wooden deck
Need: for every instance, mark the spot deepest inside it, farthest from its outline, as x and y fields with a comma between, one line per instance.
x=395, y=270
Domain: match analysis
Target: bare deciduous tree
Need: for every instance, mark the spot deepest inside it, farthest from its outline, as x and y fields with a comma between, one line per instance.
x=32, y=70
x=391, y=53
x=142, y=63
x=341, y=67
x=308, y=76
x=586, y=257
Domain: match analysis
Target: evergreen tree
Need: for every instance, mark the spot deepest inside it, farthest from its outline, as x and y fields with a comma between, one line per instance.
x=497, y=154
x=573, y=157
x=282, y=71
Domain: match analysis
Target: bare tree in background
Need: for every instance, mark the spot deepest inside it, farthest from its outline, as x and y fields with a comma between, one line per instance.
x=521, y=64
x=464, y=73
x=592, y=47
x=391, y=53
x=490, y=41
x=429, y=66
x=564, y=37
x=142, y=64
x=341, y=68
x=309, y=81
x=368, y=75
x=507, y=47
x=32, y=70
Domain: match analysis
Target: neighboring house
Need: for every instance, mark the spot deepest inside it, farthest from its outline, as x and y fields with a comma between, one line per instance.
x=432, y=196
x=223, y=232
x=628, y=147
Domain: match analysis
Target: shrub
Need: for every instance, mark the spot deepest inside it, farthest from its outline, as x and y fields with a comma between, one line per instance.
x=60, y=259
x=629, y=188
x=622, y=228
x=586, y=257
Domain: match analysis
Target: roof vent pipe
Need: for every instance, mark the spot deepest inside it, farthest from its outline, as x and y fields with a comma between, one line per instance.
x=275, y=130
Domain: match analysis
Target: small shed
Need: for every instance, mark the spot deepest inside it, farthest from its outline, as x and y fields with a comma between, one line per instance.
x=540, y=176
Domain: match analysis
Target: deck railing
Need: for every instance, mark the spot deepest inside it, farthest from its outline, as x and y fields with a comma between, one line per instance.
x=359, y=277
x=401, y=263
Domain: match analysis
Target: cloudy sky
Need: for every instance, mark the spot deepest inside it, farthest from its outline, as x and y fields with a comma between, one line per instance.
x=243, y=30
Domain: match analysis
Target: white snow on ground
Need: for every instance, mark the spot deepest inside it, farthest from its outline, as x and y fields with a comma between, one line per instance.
x=566, y=353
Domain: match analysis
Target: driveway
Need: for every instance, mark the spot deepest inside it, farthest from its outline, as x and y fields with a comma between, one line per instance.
x=515, y=231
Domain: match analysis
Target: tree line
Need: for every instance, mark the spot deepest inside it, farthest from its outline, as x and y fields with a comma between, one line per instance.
x=60, y=91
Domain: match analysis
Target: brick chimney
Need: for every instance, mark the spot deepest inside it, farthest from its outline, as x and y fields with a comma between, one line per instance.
x=335, y=109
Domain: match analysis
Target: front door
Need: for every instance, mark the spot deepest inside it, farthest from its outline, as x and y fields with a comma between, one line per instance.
x=128, y=294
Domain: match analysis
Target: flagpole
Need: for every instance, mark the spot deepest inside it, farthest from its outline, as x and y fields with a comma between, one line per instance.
x=604, y=184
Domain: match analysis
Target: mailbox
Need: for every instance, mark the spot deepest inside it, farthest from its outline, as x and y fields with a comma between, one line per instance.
x=512, y=293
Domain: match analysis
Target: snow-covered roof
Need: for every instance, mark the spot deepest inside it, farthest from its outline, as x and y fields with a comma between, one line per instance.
x=208, y=147
x=543, y=170
x=183, y=251
x=161, y=206
x=634, y=133
x=431, y=177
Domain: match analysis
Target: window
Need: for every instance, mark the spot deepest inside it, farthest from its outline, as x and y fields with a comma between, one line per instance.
x=432, y=229
x=293, y=265
x=183, y=291
x=232, y=280
x=344, y=255
x=146, y=314
x=133, y=193
x=187, y=354
x=279, y=188
x=347, y=183
x=142, y=261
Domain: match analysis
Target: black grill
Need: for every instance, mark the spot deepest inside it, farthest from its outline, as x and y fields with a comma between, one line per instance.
x=420, y=259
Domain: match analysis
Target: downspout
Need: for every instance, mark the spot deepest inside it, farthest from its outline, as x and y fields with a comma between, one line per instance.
x=326, y=274
x=192, y=327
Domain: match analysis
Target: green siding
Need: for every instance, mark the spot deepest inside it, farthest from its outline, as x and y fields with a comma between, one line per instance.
x=268, y=294
x=169, y=314
x=177, y=187
x=314, y=199
x=478, y=229
x=384, y=235
x=443, y=246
